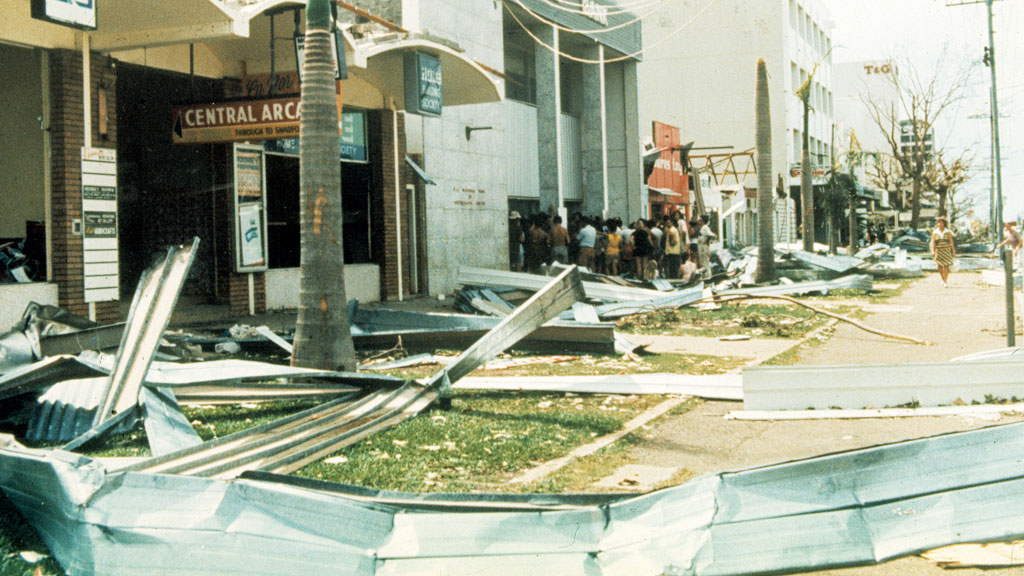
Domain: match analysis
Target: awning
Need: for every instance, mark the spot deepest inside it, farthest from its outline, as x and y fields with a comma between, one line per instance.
x=419, y=171
x=234, y=31
x=465, y=81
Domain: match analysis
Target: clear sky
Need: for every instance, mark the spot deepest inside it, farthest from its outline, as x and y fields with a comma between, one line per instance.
x=919, y=31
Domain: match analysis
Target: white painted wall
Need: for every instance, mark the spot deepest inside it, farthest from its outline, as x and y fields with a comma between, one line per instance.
x=702, y=78
x=14, y=298
x=467, y=211
x=22, y=160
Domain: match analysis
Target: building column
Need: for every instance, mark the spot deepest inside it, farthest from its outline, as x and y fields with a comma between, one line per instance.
x=67, y=137
x=391, y=220
x=631, y=203
x=549, y=119
x=592, y=135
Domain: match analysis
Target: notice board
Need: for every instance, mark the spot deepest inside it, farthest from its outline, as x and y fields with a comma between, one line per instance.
x=99, y=224
x=250, y=213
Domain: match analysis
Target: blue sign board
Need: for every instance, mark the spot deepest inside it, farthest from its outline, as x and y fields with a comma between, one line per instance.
x=423, y=84
x=351, y=141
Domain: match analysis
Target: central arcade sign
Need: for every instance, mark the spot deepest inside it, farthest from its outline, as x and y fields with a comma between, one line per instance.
x=236, y=121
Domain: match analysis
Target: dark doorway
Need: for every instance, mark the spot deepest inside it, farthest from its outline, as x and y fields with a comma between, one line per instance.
x=166, y=192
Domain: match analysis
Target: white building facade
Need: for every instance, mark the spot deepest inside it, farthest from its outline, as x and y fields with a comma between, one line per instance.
x=699, y=73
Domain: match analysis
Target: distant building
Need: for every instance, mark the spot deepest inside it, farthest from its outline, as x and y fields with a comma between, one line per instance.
x=699, y=73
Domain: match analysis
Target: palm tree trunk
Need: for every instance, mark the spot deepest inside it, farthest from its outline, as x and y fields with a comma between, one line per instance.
x=322, y=335
x=806, y=187
x=765, y=271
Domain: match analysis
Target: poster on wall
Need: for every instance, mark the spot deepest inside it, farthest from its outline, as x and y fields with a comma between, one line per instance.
x=99, y=225
x=249, y=218
x=249, y=205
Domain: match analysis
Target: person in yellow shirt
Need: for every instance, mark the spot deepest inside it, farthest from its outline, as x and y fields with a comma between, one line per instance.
x=673, y=248
x=614, y=246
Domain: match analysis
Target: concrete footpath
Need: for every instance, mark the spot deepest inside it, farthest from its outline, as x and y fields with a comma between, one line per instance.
x=966, y=317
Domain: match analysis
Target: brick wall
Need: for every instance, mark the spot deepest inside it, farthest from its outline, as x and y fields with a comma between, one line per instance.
x=66, y=140
x=385, y=235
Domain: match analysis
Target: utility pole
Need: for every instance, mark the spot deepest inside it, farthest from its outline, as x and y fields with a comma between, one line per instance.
x=990, y=61
x=997, y=223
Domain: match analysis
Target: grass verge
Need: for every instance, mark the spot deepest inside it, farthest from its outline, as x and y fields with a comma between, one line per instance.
x=733, y=318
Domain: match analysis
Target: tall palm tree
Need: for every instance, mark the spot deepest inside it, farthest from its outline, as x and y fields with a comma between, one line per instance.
x=322, y=335
x=806, y=186
x=765, y=271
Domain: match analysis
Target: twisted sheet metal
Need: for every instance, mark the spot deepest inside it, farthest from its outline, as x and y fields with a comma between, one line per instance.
x=853, y=508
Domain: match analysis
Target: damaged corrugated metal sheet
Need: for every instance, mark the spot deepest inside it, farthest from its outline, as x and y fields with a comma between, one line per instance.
x=858, y=386
x=853, y=508
x=849, y=282
x=833, y=262
x=469, y=276
x=150, y=312
x=718, y=387
x=381, y=329
x=619, y=309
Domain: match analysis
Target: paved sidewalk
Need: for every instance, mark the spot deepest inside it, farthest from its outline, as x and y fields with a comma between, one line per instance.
x=961, y=319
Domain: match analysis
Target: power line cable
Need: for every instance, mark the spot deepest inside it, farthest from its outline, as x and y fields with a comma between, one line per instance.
x=588, y=30
x=581, y=9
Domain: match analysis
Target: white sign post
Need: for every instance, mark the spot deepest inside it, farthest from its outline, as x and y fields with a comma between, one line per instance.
x=99, y=224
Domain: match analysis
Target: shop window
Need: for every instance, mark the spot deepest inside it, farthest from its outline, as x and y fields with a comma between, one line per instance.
x=572, y=87
x=284, y=237
x=520, y=64
x=521, y=70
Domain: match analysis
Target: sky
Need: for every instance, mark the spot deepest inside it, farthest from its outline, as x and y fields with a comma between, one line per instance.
x=921, y=31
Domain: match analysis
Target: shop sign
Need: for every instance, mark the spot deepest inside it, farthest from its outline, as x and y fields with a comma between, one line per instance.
x=351, y=140
x=668, y=173
x=337, y=54
x=250, y=209
x=72, y=13
x=236, y=121
x=819, y=174
x=423, y=84
x=596, y=12
x=99, y=225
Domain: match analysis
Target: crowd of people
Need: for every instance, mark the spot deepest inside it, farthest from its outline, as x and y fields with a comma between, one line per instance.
x=667, y=247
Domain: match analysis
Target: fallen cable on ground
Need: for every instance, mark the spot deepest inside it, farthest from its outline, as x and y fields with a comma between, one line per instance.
x=816, y=310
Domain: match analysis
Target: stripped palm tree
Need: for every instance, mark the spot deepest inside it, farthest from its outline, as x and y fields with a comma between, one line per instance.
x=322, y=335
x=806, y=187
x=765, y=271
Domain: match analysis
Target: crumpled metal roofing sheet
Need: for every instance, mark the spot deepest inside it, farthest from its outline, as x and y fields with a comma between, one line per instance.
x=469, y=276
x=150, y=312
x=833, y=262
x=858, y=386
x=853, y=508
x=67, y=409
x=718, y=387
x=620, y=309
x=848, y=282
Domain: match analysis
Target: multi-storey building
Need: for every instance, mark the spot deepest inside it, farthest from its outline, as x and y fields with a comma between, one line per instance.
x=188, y=110
x=699, y=72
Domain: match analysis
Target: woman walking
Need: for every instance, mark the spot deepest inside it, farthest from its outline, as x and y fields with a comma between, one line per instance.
x=943, y=250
